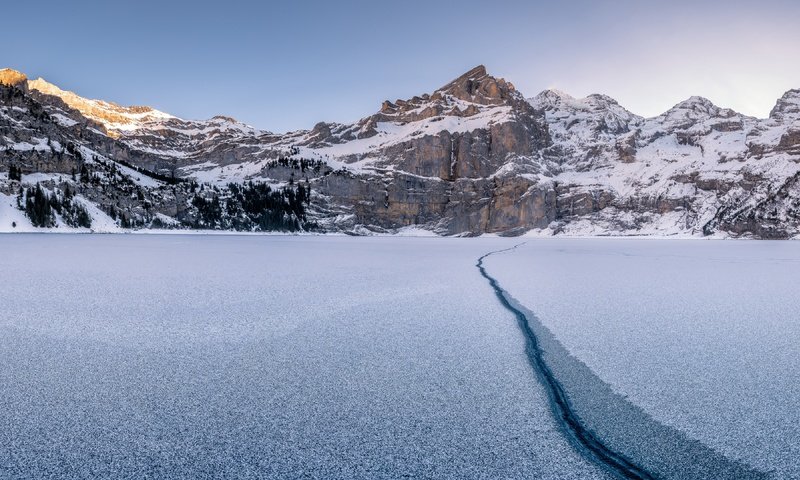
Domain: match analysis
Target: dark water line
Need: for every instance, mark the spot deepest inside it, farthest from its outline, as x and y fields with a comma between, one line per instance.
x=580, y=436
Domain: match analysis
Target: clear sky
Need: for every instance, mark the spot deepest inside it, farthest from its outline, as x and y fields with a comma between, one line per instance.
x=286, y=65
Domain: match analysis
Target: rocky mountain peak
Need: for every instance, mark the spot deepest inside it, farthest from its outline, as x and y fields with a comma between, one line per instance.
x=696, y=109
x=477, y=86
x=602, y=111
x=787, y=106
x=550, y=99
x=556, y=99
x=224, y=118
x=468, y=95
x=601, y=99
x=12, y=78
x=696, y=103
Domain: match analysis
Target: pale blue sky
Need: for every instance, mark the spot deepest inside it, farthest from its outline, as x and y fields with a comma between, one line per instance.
x=283, y=66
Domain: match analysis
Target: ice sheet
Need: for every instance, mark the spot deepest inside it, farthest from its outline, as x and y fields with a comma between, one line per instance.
x=178, y=356
x=702, y=335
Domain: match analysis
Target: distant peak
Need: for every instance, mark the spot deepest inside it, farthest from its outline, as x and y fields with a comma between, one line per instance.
x=698, y=108
x=787, y=105
x=694, y=106
x=698, y=99
x=554, y=92
x=12, y=78
x=602, y=98
x=694, y=102
x=225, y=118
x=551, y=96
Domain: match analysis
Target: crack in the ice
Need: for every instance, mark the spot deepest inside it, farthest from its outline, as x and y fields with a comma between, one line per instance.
x=582, y=437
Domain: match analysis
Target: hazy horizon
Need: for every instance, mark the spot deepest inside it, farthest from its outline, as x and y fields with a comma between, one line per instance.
x=286, y=67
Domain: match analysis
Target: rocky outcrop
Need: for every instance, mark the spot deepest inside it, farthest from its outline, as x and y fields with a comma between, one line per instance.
x=787, y=107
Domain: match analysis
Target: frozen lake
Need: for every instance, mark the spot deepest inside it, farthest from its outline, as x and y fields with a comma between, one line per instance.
x=181, y=356
x=704, y=336
x=127, y=356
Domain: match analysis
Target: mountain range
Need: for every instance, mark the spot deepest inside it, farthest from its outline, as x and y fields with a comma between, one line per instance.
x=473, y=157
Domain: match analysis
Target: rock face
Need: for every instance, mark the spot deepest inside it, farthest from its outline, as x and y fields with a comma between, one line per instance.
x=447, y=160
x=472, y=157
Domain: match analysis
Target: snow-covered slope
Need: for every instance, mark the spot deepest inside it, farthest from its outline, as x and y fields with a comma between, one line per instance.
x=115, y=118
x=170, y=141
x=674, y=173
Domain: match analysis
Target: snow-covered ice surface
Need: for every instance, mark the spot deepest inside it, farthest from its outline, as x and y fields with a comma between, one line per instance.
x=150, y=356
x=683, y=339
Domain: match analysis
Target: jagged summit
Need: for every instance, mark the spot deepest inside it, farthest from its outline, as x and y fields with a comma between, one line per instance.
x=696, y=108
x=602, y=98
x=477, y=86
x=473, y=101
x=12, y=78
x=468, y=95
x=787, y=106
x=695, y=102
x=476, y=74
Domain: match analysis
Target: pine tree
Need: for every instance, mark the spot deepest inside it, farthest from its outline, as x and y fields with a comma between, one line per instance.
x=37, y=207
x=82, y=217
x=14, y=173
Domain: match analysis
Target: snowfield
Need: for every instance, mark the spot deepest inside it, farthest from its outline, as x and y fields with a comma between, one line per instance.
x=191, y=356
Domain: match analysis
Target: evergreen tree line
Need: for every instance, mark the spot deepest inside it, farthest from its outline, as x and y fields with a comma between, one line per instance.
x=301, y=164
x=14, y=173
x=252, y=206
x=41, y=207
x=109, y=166
x=168, y=179
x=8, y=93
